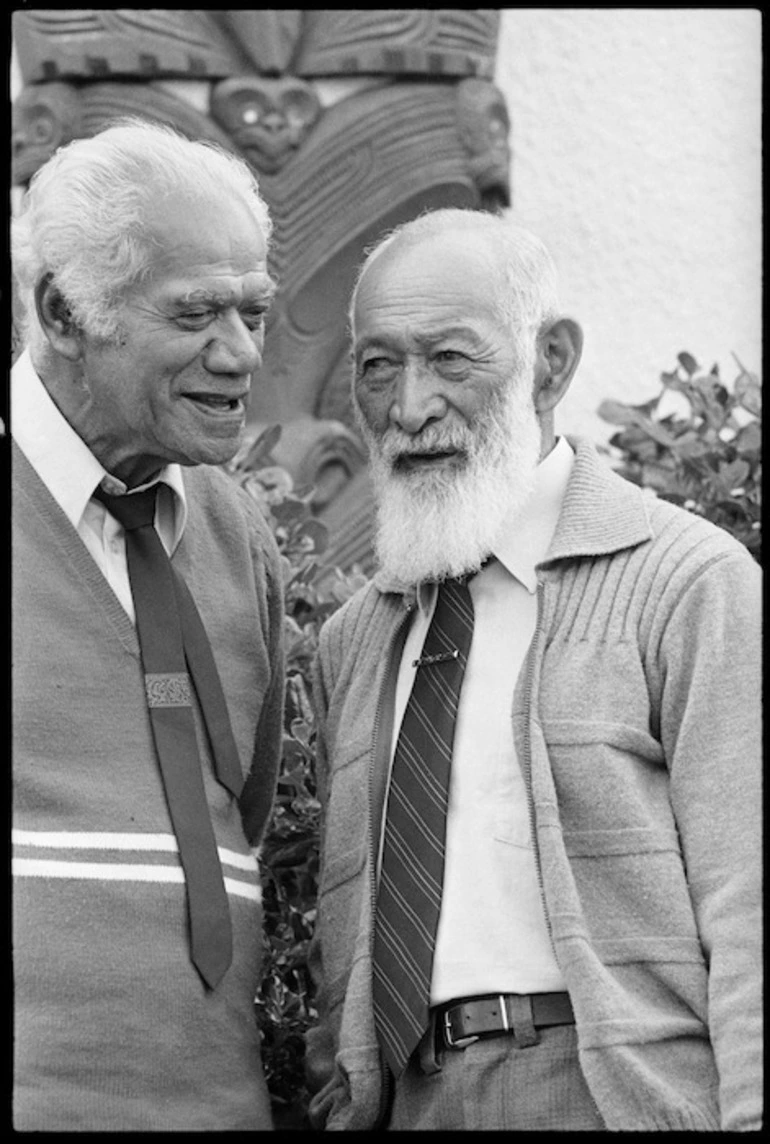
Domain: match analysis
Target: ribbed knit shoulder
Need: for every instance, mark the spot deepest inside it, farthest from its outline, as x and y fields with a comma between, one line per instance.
x=363, y=622
x=621, y=555
x=349, y=619
x=685, y=547
x=699, y=537
x=637, y=591
x=690, y=556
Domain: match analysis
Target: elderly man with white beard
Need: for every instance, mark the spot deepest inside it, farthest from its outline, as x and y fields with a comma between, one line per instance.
x=538, y=743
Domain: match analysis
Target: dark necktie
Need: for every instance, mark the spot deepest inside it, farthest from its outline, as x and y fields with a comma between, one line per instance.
x=411, y=875
x=172, y=639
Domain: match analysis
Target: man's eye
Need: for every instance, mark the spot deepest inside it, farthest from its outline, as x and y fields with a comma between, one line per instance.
x=452, y=364
x=195, y=319
x=254, y=319
x=375, y=366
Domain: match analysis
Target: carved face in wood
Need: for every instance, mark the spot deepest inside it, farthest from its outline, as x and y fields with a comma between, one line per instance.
x=267, y=119
x=483, y=125
x=44, y=117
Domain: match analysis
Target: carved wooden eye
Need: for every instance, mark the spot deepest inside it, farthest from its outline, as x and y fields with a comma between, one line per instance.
x=43, y=128
x=247, y=109
x=300, y=107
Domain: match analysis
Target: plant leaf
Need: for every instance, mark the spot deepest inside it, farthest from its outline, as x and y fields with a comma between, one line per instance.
x=317, y=532
x=748, y=392
x=617, y=412
x=688, y=363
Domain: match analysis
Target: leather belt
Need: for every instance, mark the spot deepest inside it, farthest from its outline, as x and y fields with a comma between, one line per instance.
x=460, y=1023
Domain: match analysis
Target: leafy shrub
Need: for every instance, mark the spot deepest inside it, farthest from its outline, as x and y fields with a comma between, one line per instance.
x=289, y=857
x=706, y=453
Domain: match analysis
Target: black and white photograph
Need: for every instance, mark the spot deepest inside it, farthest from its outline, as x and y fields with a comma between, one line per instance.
x=384, y=438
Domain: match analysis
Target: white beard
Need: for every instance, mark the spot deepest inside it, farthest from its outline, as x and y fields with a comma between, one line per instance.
x=434, y=525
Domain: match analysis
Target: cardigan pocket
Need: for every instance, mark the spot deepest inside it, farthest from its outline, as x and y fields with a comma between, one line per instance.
x=607, y=777
x=613, y=812
x=633, y=896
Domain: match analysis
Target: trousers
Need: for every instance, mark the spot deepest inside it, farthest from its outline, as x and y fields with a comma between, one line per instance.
x=496, y=1085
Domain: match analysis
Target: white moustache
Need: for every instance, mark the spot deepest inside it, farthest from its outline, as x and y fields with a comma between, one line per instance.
x=395, y=443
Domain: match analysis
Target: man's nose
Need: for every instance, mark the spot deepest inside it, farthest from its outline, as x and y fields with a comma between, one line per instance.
x=236, y=348
x=418, y=398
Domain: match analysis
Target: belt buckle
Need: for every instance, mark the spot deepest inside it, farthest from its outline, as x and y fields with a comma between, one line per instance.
x=451, y=1043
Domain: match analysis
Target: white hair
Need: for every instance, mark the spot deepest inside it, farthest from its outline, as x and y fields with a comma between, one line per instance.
x=526, y=292
x=83, y=219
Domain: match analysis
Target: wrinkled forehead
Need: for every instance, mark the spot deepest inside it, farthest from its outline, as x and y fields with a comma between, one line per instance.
x=201, y=231
x=448, y=247
x=458, y=270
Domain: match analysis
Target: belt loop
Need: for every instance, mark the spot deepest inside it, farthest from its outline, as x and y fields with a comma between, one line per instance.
x=429, y=1053
x=521, y=1020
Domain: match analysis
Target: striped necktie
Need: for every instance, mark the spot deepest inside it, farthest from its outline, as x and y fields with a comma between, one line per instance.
x=411, y=875
x=172, y=639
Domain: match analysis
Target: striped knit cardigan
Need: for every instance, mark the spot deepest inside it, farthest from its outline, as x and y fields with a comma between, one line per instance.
x=637, y=725
x=113, y=1027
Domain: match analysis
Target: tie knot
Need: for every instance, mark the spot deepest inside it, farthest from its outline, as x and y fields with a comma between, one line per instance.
x=460, y=585
x=457, y=586
x=134, y=510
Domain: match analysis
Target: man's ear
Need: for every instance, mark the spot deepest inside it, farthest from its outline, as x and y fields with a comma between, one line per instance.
x=56, y=319
x=559, y=350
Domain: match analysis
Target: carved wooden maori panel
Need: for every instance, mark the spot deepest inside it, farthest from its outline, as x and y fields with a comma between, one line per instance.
x=353, y=119
x=399, y=41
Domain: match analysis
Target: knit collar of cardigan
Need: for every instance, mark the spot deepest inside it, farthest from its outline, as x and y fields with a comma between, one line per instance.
x=602, y=513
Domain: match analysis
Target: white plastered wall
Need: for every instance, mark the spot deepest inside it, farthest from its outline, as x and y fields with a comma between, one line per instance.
x=636, y=138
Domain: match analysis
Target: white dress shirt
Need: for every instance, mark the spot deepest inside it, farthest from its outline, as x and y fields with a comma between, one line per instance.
x=71, y=473
x=492, y=934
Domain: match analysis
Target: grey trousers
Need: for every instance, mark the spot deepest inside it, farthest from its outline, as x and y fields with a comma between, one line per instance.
x=494, y=1084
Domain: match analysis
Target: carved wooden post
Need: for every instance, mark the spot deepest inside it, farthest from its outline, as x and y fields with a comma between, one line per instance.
x=353, y=119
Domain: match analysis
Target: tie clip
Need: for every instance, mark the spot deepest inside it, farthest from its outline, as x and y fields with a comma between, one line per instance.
x=440, y=658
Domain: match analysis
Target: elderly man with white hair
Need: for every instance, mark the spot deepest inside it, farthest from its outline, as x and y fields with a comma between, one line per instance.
x=147, y=641
x=539, y=742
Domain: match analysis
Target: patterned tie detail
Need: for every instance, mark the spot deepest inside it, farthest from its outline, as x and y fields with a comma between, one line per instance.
x=411, y=876
x=172, y=639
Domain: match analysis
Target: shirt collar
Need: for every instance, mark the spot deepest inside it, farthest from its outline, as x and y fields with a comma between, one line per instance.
x=61, y=458
x=526, y=532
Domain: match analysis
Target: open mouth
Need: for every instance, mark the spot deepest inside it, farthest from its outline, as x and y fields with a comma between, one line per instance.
x=217, y=404
x=409, y=462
